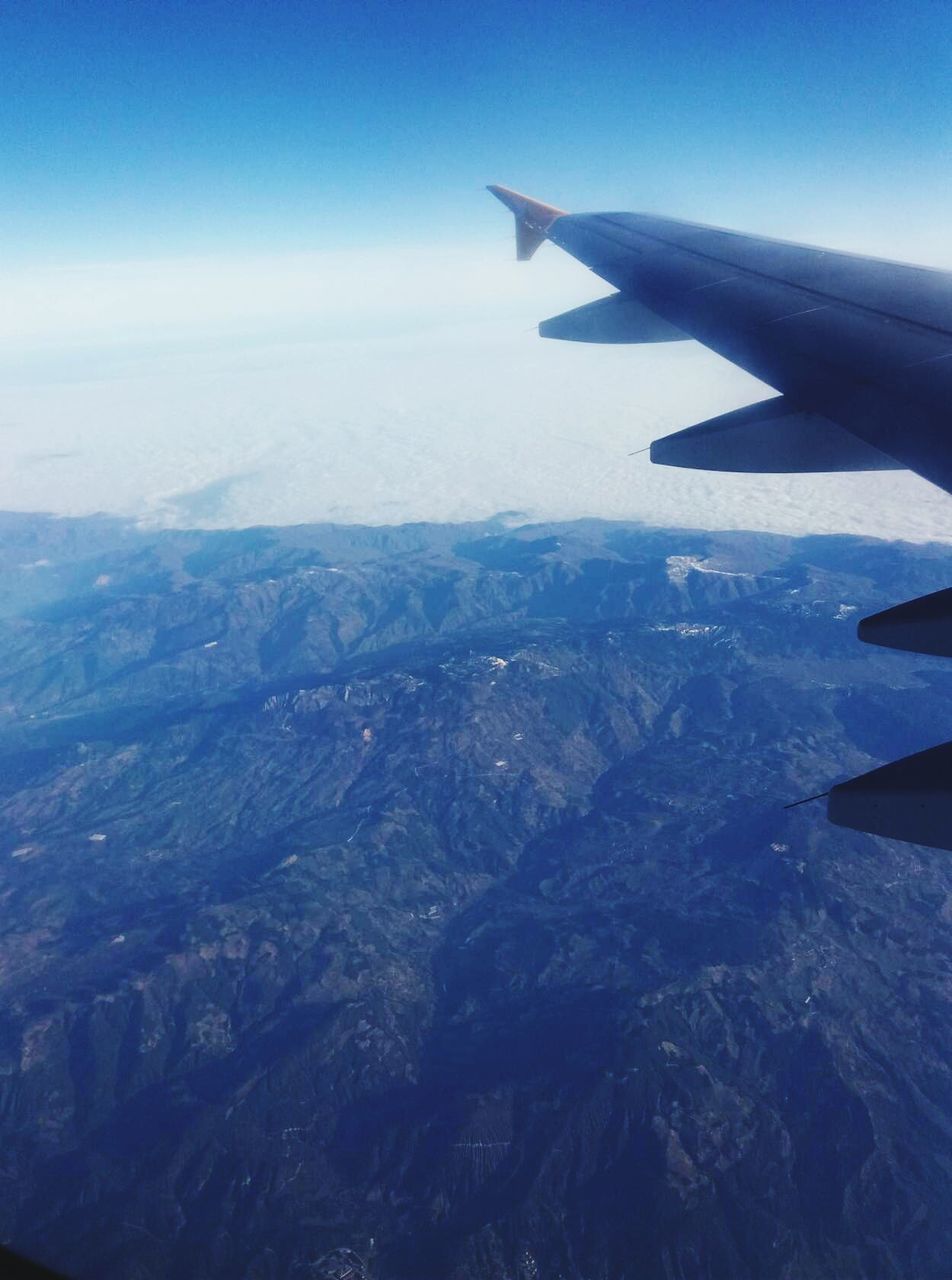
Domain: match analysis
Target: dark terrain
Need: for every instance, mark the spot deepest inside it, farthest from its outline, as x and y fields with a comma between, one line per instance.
x=427, y=893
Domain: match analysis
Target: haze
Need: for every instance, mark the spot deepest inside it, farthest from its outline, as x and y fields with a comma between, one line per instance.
x=254, y=280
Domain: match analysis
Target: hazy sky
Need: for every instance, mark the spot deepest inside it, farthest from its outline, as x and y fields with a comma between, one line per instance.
x=248, y=269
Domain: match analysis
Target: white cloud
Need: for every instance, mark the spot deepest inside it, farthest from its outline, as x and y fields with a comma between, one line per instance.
x=374, y=386
x=324, y=294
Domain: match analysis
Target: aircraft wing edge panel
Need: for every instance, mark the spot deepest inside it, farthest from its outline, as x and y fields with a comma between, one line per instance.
x=770, y=437
x=619, y=318
x=910, y=799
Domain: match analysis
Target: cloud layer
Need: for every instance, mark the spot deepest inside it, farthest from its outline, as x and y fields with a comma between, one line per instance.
x=374, y=386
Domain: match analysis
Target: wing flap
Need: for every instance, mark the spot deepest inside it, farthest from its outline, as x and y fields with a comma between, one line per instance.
x=923, y=625
x=770, y=436
x=617, y=318
x=910, y=799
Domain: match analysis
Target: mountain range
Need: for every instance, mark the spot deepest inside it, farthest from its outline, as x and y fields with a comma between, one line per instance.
x=424, y=898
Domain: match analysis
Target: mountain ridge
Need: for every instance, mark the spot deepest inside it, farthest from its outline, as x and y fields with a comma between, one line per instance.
x=448, y=902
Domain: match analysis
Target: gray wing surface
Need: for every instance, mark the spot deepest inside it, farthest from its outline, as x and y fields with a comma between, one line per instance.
x=864, y=343
x=860, y=352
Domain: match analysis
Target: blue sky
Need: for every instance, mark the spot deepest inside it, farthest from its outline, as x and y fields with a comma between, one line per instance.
x=152, y=128
x=249, y=272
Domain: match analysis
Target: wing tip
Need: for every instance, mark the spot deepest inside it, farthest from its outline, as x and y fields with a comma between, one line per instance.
x=533, y=218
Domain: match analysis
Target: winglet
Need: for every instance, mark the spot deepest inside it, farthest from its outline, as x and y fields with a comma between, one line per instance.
x=533, y=219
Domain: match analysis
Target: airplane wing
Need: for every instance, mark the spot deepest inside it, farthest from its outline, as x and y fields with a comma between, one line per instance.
x=859, y=351
x=15, y=1267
